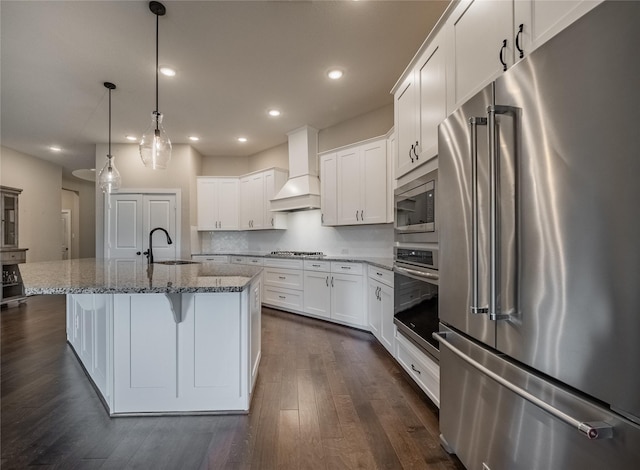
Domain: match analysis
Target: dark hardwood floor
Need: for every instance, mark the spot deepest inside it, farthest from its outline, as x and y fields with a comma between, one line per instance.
x=327, y=397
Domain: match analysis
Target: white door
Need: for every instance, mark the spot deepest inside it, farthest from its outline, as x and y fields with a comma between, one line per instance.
x=347, y=299
x=373, y=173
x=317, y=294
x=66, y=233
x=329, y=189
x=131, y=217
x=350, y=209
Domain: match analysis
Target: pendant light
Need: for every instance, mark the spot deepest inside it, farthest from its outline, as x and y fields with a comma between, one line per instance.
x=155, y=146
x=109, y=178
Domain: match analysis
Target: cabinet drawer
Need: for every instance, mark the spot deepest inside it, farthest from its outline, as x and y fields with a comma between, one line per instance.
x=219, y=259
x=383, y=275
x=13, y=257
x=283, y=263
x=424, y=371
x=346, y=268
x=315, y=265
x=287, y=278
x=288, y=299
x=250, y=260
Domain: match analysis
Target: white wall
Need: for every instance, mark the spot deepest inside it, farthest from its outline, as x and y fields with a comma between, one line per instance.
x=39, y=203
x=181, y=174
x=304, y=233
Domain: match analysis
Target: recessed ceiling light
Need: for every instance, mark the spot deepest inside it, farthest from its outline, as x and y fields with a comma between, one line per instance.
x=242, y=139
x=132, y=138
x=274, y=112
x=55, y=148
x=194, y=138
x=335, y=74
x=168, y=71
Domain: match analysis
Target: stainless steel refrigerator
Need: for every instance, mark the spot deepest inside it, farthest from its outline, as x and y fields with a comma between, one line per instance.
x=539, y=210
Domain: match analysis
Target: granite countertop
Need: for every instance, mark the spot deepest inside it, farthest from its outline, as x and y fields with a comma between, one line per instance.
x=97, y=276
x=379, y=262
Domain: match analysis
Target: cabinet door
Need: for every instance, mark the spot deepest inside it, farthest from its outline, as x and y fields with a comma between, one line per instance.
x=347, y=299
x=387, y=328
x=329, y=189
x=227, y=204
x=349, y=177
x=477, y=31
x=433, y=97
x=255, y=329
x=207, y=194
x=145, y=366
x=245, y=203
x=257, y=202
x=210, y=352
x=374, y=308
x=274, y=180
x=406, y=119
x=317, y=294
x=373, y=174
x=542, y=19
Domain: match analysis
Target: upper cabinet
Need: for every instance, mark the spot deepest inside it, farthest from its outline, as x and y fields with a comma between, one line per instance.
x=354, y=184
x=420, y=105
x=480, y=33
x=257, y=189
x=473, y=43
x=536, y=21
x=217, y=203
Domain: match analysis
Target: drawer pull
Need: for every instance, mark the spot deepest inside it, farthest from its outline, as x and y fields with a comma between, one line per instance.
x=282, y=277
x=378, y=273
x=282, y=296
x=345, y=267
x=315, y=265
x=413, y=368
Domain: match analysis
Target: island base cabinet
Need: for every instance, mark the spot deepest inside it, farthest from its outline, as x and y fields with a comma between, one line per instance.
x=181, y=355
x=169, y=353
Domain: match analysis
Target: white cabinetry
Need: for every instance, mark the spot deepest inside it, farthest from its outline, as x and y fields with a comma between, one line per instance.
x=335, y=290
x=329, y=188
x=217, y=259
x=355, y=182
x=248, y=260
x=537, y=21
x=283, y=283
x=424, y=370
x=421, y=104
x=481, y=39
x=380, y=305
x=257, y=189
x=217, y=203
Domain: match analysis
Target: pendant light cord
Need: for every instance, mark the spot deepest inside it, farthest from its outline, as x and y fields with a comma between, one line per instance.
x=157, y=39
x=109, y=127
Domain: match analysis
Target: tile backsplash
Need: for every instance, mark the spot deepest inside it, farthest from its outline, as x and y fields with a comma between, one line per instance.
x=305, y=233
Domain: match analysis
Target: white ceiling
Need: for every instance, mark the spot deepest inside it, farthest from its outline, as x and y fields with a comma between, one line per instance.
x=235, y=60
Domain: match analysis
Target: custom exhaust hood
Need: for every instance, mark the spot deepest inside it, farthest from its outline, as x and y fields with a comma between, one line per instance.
x=302, y=189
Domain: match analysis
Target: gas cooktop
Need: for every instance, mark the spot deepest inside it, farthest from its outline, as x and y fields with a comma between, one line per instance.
x=298, y=254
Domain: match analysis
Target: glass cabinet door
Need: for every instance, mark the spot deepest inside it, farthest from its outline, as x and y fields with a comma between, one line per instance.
x=9, y=204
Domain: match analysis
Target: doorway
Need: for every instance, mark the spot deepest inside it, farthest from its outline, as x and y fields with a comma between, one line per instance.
x=65, y=226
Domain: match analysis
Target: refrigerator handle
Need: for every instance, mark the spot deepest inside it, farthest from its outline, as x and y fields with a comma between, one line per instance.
x=592, y=430
x=474, y=122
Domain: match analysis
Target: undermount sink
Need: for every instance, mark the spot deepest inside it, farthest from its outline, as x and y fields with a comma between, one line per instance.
x=174, y=262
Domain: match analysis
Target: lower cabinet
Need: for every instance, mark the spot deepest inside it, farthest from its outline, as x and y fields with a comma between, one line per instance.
x=380, y=306
x=283, y=283
x=169, y=353
x=335, y=290
x=424, y=370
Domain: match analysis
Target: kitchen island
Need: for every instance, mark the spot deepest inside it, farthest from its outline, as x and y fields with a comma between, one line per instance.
x=160, y=339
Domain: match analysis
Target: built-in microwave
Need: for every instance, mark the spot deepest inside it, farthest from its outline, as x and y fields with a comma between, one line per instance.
x=415, y=210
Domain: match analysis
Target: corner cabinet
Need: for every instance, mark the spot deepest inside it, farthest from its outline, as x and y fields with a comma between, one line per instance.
x=217, y=201
x=257, y=189
x=355, y=180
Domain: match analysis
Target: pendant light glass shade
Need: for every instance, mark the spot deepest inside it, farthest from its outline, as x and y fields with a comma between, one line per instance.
x=155, y=146
x=109, y=177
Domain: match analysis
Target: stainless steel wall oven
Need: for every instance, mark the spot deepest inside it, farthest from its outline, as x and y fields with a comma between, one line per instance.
x=415, y=210
x=416, y=295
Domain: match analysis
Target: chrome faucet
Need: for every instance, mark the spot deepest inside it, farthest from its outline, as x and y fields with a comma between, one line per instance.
x=149, y=252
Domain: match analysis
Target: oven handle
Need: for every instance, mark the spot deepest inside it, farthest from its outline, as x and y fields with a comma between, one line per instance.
x=421, y=275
